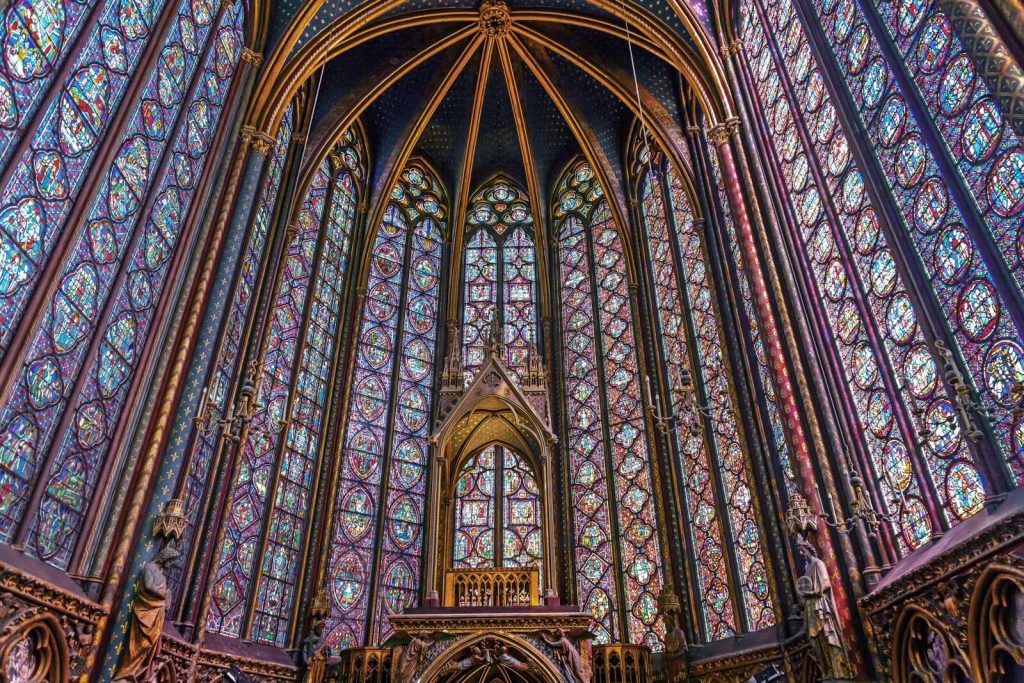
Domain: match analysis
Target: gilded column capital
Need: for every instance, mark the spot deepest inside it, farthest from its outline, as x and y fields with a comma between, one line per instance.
x=261, y=142
x=733, y=124
x=254, y=58
x=693, y=131
x=299, y=139
x=719, y=135
x=732, y=48
x=247, y=133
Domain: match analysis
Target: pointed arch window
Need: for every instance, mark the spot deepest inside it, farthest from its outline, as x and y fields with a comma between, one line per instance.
x=614, y=522
x=254, y=588
x=873, y=310
x=497, y=495
x=953, y=172
x=65, y=138
x=726, y=539
x=500, y=275
x=216, y=395
x=84, y=349
x=380, y=496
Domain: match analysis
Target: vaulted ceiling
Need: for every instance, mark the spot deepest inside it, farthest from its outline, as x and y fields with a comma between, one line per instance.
x=544, y=81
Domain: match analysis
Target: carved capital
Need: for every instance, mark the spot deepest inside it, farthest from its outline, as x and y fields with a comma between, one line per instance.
x=261, y=142
x=254, y=58
x=719, y=135
x=733, y=124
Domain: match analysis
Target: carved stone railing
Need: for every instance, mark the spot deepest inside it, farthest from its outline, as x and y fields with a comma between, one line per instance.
x=621, y=664
x=363, y=665
x=492, y=587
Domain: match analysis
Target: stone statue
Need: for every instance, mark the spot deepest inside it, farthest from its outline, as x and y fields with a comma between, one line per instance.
x=815, y=591
x=675, y=643
x=507, y=660
x=567, y=654
x=411, y=658
x=147, y=620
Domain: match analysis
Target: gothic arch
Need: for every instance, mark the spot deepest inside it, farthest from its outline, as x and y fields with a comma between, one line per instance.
x=923, y=652
x=32, y=643
x=545, y=670
x=993, y=628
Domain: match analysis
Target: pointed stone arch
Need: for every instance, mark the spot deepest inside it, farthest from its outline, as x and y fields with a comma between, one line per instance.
x=494, y=408
x=440, y=667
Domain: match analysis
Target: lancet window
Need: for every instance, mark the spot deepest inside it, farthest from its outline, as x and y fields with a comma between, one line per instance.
x=223, y=382
x=500, y=275
x=614, y=522
x=725, y=537
x=81, y=350
x=258, y=564
x=382, y=484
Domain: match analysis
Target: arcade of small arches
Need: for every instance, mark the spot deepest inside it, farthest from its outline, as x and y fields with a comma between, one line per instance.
x=600, y=341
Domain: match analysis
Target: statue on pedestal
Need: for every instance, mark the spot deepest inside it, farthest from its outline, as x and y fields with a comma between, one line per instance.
x=411, y=658
x=567, y=654
x=147, y=620
x=815, y=591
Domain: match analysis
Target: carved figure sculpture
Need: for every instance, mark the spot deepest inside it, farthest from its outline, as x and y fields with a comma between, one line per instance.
x=411, y=658
x=147, y=620
x=567, y=654
x=815, y=590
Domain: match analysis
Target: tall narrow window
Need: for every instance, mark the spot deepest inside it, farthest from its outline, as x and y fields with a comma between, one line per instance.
x=687, y=311
x=44, y=184
x=379, y=502
x=497, y=490
x=217, y=393
x=500, y=275
x=254, y=588
x=890, y=371
x=608, y=448
x=958, y=195
x=37, y=38
x=82, y=354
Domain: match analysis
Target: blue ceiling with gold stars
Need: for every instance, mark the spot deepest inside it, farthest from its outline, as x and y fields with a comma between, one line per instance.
x=550, y=80
x=283, y=11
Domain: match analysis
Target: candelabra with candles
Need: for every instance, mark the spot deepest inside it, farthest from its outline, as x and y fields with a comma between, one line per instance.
x=235, y=420
x=688, y=412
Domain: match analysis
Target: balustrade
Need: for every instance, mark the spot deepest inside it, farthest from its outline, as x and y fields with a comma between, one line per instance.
x=508, y=587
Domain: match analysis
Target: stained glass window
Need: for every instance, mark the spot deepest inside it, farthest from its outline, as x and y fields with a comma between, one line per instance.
x=216, y=395
x=497, y=489
x=116, y=269
x=380, y=496
x=959, y=198
x=270, y=495
x=36, y=37
x=500, y=266
x=686, y=310
x=44, y=184
x=607, y=441
x=896, y=381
